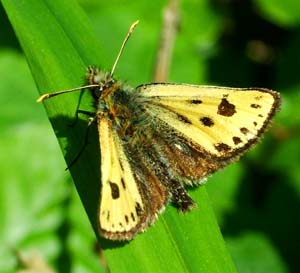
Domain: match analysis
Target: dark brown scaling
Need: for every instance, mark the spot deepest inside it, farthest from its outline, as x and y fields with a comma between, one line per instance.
x=115, y=192
x=107, y=217
x=260, y=115
x=132, y=216
x=222, y=147
x=180, y=197
x=255, y=123
x=236, y=140
x=244, y=130
x=121, y=225
x=256, y=106
x=126, y=219
x=206, y=121
x=226, y=109
x=191, y=165
x=196, y=101
x=138, y=209
x=123, y=183
x=183, y=119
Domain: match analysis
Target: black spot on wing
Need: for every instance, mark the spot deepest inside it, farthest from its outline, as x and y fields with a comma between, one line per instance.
x=132, y=217
x=115, y=192
x=123, y=183
x=254, y=105
x=206, y=121
x=121, y=165
x=226, y=108
x=222, y=147
x=183, y=119
x=138, y=209
x=244, y=130
x=236, y=140
x=196, y=101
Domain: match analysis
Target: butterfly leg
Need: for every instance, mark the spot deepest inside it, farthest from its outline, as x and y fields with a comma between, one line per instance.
x=84, y=112
x=78, y=111
x=87, y=113
x=91, y=120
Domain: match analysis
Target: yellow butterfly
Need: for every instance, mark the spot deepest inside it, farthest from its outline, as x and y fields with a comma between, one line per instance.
x=158, y=137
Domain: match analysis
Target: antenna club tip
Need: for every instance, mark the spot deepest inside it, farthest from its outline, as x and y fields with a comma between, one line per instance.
x=42, y=98
x=134, y=25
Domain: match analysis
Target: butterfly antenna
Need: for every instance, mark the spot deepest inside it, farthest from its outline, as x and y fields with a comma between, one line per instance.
x=131, y=29
x=50, y=95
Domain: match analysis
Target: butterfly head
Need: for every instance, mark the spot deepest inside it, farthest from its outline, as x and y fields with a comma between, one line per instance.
x=105, y=83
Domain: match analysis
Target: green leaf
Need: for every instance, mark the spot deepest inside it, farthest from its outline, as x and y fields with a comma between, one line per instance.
x=59, y=43
x=283, y=13
x=264, y=256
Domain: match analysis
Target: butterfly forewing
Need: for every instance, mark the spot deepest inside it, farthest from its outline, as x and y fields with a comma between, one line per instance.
x=131, y=196
x=121, y=206
x=218, y=121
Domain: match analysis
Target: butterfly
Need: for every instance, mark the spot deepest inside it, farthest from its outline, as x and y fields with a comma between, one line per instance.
x=157, y=138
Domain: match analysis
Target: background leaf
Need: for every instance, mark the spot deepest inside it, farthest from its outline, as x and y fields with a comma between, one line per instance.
x=285, y=13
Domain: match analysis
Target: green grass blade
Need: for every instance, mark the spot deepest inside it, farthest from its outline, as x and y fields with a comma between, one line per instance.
x=59, y=43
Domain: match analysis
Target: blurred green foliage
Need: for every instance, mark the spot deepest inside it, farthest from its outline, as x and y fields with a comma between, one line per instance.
x=232, y=43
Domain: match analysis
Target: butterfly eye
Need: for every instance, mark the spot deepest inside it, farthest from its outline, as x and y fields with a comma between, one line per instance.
x=97, y=91
x=108, y=84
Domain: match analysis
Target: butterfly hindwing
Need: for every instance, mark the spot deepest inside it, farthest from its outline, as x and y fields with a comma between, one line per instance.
x=186, y=162
x=155, y=159
x=220, y=122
